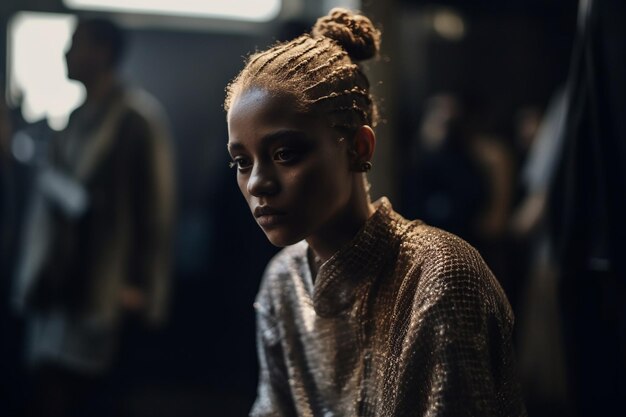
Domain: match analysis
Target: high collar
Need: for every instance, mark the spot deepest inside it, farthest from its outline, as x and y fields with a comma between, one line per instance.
x=361, y=260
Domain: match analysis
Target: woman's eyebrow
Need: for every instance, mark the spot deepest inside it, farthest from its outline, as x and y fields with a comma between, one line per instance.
x=234, y=146
x=283, y=134
x=271, y=138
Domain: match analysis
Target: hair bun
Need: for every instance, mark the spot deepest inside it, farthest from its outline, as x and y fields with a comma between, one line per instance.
x=354, y=32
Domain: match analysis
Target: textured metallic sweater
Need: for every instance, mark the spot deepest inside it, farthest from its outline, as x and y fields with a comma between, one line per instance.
x=407, y=320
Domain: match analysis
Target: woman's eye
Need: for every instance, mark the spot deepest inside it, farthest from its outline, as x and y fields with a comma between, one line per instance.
x=240, y=162
x=285, y=155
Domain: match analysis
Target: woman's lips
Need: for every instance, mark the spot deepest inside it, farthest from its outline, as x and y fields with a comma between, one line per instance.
x=267, y=216
x=269, y=220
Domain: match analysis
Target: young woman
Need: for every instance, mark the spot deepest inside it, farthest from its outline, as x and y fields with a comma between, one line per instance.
x=363, y=313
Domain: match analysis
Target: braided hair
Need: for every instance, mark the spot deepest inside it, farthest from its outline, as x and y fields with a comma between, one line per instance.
x=320, y=70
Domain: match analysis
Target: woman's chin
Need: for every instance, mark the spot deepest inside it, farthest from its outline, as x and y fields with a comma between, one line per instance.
x=281, y=240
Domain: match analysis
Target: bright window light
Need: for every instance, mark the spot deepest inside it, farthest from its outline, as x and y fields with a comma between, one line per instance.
x=348, y=4
x=247, y=10
x=36, y=67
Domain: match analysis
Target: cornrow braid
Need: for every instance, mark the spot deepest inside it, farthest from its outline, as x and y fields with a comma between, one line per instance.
x=278, y=52
x=320, y=71
x=305, y=61
x=339, y=55
x=298, y=57
x=353, y=91
x=354, y=108
x=340, y=73
x=257, y=56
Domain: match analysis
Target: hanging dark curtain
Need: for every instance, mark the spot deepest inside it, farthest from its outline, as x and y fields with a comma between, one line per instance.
x=588, y=212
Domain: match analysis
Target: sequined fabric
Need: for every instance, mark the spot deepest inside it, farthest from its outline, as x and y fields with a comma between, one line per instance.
x=407, y=320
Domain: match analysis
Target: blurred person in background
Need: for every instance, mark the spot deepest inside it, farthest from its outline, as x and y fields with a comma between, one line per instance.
x=497, y=164
x=96, y=245
x=460, y=179
x=540, y=334
x=445, y=186
x=525, y=125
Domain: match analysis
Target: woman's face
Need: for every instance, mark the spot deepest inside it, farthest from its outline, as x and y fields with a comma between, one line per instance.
x=292, y=169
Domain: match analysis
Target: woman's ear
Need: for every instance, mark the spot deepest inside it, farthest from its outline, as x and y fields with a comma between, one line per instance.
x=364, y=143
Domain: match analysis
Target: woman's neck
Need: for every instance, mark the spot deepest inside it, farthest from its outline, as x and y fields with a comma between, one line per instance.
x=342, y=228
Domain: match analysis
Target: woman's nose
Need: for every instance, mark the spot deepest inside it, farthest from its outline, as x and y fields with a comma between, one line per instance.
x=263, y=181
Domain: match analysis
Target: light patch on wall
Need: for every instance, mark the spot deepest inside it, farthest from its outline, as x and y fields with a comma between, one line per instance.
x=246, y=10
x=37, y=80
x=449, y=24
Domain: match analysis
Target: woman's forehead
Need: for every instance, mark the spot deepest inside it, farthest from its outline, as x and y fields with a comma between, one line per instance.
x=260, y=106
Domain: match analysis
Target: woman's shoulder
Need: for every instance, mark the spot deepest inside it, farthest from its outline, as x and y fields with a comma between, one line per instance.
x=446, y=268
x=436, y=248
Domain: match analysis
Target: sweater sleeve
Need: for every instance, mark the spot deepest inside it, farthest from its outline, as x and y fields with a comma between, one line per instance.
x=459, y=349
